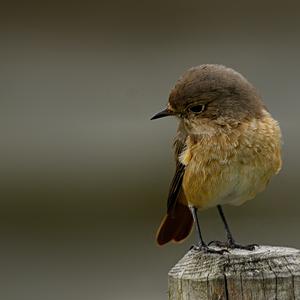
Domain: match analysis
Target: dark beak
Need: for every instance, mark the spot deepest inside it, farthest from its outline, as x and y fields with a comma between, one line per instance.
x=164, y=113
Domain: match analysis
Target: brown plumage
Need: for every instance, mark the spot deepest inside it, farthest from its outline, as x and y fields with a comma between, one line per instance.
x=176, y=226
x=227, y=145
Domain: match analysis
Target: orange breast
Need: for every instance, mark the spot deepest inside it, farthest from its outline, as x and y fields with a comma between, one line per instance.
x=231, y=166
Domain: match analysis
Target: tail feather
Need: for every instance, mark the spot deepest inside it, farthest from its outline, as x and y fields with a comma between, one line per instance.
x=175, y=227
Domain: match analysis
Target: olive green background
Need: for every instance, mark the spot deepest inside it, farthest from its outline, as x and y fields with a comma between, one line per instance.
x=84, y=173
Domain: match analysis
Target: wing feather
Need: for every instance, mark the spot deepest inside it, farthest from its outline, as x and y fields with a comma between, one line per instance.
x=175, y=191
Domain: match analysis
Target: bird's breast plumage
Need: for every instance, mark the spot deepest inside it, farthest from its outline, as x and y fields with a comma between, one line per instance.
x=231, y=165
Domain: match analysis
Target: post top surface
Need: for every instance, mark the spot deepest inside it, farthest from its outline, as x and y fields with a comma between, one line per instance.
x=199, y=265
x=260, y=250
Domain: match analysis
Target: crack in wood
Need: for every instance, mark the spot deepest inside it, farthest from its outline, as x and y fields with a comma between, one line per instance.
x=263, y=274
x=292, y=275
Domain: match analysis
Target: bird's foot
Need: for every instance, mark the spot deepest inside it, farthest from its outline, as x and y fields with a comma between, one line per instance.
x=233, y=245
x=206, y=249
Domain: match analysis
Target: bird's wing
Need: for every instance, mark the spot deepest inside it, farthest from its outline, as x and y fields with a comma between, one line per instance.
x=175, y=191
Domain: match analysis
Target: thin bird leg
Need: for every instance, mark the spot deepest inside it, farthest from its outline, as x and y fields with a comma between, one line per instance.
x=198, y=233
x=230, y=240
x=200, y=242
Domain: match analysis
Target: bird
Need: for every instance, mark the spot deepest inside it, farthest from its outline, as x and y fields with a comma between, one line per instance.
x=227, y=148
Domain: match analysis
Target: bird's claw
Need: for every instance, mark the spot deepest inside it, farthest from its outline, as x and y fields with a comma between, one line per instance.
x=233, y=245
x=206, y=249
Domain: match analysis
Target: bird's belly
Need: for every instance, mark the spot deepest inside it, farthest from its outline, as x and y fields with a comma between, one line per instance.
x=230, y=184
x=233, y=167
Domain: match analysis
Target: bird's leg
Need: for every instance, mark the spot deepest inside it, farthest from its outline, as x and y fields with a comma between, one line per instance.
x=230, y=240
x=201, y=245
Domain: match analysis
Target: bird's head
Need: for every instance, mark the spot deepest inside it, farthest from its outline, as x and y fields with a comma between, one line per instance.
x=212, y=95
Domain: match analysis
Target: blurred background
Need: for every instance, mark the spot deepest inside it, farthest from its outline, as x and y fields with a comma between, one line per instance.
x=84, y=174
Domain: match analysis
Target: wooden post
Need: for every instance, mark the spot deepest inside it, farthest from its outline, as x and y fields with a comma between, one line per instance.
x=263, y=274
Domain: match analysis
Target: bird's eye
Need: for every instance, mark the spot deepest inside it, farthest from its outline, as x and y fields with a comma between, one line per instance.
x=197, y=108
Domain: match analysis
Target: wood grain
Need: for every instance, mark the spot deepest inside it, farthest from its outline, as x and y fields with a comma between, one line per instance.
x=263, y=274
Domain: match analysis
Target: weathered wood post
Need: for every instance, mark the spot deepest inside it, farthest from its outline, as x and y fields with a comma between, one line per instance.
x=263, y=274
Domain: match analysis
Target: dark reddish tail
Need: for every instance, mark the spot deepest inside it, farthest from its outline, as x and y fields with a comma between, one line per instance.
x=176, y=226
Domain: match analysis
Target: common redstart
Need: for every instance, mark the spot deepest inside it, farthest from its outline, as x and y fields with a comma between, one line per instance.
x=227, y=148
